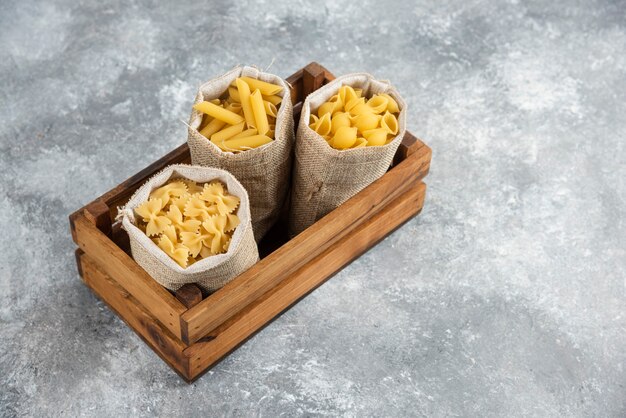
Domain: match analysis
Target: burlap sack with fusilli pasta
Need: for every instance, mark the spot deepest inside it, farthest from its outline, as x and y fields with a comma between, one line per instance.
x=210, y=273
x=263, y=171
x=324, y=177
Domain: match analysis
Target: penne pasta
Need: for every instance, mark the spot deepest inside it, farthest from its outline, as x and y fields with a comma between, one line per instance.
x=242, y=144
x=244, y=96
x=234, y=107
x=218, y=113
x=205, y=121
x=273, y=99
x=243, y=134
x=245, y=115
x=214, y=126
x=260, y=117
x=233, y=92
x=219, y=137
x=265, y=88
x=270, y=109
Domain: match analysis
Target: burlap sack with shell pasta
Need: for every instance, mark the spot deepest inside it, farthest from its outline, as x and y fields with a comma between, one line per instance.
x=263, y=171
x=324, y=177
x=210, y=273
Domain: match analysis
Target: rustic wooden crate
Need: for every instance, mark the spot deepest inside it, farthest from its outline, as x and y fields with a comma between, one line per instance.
x=190, y=333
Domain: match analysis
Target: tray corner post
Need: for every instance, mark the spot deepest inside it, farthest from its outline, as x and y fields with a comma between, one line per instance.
x=99, y=213
x=313, y=77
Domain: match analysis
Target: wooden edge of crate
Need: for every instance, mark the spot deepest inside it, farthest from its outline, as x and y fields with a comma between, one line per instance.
x=134, y=314
x=268, y=272
x=191, y=362
x=116, y=263
x=306, y=80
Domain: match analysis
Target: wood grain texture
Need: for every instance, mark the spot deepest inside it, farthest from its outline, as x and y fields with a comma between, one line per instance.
x=126, y=272
x=256, y=315
x=190, y=295
x=267, y=273
x=316, y=76
x=99, y=214
x=313, y=77
x=295, y=82
x=159, y=338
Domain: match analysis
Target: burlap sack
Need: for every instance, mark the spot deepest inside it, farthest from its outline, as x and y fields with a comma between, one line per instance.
x=263, y=171
x=210, y=273
x=324, y=177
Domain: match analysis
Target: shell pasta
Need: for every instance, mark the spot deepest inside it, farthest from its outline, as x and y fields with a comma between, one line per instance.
x=348, y=120
x=243, y=118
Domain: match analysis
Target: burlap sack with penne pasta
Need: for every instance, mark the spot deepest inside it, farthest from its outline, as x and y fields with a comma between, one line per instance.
x=208, y=273
x=325, y=177
x=264, y=171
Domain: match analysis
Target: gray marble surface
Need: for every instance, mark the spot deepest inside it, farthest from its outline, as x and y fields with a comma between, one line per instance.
x=505, y=297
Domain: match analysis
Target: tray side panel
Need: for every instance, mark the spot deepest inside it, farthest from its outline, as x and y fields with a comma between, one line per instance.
x=256, y=315
x=121, y=267
x=160, y=339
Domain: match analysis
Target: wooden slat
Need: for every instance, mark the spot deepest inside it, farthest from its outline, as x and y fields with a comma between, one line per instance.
x=99, y=214
x=159, y=338
x=295, y=81
x=256, y=315
x=328, y=76
x=190, y=295
x=267, y=273
x=410, y=145
x=313, y=76
x=117, y=264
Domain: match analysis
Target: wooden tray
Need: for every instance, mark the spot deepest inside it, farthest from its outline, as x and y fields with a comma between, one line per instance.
x=192, y=334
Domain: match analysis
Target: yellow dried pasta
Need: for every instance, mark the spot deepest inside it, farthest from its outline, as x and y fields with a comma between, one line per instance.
x=150, y=212
x=244, y=117
x=196, y=221
x=348, y=120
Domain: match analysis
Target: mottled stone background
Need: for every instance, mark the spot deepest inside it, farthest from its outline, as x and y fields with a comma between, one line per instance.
x=506, y=297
